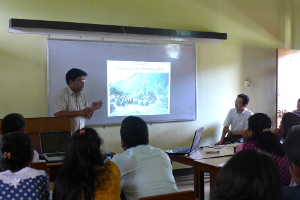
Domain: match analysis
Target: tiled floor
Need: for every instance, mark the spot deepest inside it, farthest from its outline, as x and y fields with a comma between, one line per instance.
x=185, y=181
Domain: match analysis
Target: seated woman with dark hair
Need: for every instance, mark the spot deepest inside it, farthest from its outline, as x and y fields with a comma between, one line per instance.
x=248, y=175
x=83, y=174
x=261, y=137
x=288, y=120
x=20, y=181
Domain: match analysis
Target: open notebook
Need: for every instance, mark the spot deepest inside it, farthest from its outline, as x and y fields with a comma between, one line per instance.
x=189, y=150
x=54, y=145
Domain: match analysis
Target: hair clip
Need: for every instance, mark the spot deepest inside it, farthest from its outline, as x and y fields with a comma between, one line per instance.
x=266, y=130
x=82, y=131
x=7, y=155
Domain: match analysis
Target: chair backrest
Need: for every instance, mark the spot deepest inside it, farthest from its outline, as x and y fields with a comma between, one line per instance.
x=41, y=166
x=183, y=195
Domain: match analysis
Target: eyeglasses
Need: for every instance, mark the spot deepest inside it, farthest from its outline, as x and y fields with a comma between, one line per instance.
x=80, y=80
x=237, y=102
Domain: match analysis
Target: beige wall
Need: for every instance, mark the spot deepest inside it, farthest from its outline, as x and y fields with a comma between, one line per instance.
x=255, y=29
x=296, y=27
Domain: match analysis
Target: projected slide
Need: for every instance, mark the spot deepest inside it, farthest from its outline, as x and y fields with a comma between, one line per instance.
x=138, y=88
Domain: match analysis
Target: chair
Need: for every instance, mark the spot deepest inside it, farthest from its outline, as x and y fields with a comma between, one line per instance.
x=41, y=166
x=183, y=195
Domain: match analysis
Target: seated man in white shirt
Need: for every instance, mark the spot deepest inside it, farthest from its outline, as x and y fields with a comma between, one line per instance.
x=145, y=170
x=237, y=120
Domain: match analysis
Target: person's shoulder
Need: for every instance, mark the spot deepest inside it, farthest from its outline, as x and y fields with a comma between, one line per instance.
x=239, y=148
x=248, y=112
x=120, y=156
x=138, y=149
x=147, y=148
x=63, y=91
x=25, y=173
x=157, y=152
x=31, y=172
x=249, y=145
x=35, y=172
x=5, y=173
x=111, y=164
x=231, y=111
x=113, y=167
x=155, y=148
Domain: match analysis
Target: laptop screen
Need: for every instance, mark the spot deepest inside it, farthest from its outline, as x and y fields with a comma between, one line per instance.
x=54, y=141
x=197, y=138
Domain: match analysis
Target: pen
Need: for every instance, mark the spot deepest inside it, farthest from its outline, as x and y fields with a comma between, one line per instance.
x=212, y=152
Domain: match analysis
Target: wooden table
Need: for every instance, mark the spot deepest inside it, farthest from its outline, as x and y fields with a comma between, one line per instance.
x=203, y=162
x=54, y=170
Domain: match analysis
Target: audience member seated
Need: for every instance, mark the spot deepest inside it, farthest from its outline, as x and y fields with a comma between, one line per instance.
x=288, y=120
x=261, y=137
x=237, y=120
x=19, y=181
x=83, y=174
x=15, y=122
x=145, y=170
x=248, y=175
x=292, y=146
x=298, y=108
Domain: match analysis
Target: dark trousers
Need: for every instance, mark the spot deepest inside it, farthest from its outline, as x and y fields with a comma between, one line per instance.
x=232, y=139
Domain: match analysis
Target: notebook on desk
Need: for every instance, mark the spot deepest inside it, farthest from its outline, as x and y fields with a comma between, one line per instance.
x=189, y=150
x=54, y=145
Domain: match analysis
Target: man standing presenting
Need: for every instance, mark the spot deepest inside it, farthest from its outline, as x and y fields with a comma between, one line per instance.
x=237, y=119
x=70, y=102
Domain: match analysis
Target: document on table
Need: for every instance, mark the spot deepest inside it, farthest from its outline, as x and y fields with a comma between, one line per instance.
x=213, y=152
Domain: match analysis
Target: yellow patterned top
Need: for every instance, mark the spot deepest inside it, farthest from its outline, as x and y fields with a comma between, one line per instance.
x=110, y=188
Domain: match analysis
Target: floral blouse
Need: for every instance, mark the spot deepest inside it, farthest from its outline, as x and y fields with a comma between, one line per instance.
x=283, y=164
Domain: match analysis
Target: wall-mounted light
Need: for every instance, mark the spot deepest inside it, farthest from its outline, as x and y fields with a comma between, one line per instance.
x=248, y=83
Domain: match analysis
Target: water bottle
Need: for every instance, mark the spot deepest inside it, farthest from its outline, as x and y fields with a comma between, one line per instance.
x=108, y=157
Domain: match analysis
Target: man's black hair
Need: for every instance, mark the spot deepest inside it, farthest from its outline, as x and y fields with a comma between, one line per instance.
x=245, y=98
x=134, y=132
x=73, y=73
x=13, y=122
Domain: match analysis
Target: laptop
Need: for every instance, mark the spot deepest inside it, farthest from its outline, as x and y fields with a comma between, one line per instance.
x=189, y=150
x=54, y=145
